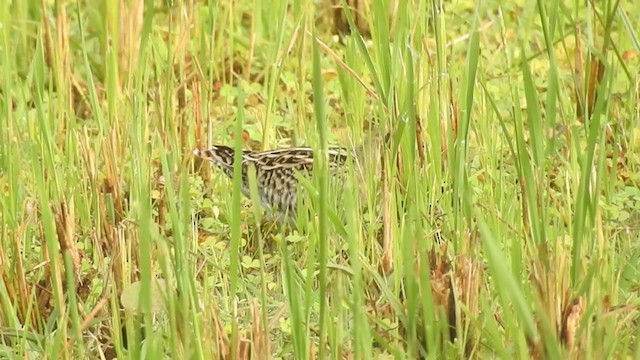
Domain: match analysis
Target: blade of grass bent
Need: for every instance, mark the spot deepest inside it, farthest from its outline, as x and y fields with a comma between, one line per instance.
x=321, y=176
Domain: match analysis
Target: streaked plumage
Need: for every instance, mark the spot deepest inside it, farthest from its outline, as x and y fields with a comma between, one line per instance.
x=276, y=171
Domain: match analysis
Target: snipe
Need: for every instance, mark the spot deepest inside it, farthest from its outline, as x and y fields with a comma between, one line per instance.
x=277, y=171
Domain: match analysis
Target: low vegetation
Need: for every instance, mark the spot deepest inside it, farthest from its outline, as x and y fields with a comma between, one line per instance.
x=493, y=210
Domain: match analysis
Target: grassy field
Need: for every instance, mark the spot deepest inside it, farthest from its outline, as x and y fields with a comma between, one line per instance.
x=493, y=210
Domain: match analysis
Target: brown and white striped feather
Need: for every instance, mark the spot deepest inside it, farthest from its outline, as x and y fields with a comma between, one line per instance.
x=276, y=171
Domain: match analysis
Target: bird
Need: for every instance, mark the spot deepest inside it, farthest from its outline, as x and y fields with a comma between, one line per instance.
x=276, y=172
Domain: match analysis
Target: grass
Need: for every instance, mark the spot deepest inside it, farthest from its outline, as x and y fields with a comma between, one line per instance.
x=493, y=211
